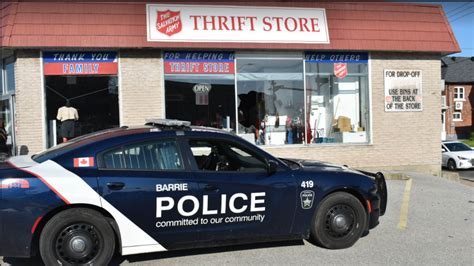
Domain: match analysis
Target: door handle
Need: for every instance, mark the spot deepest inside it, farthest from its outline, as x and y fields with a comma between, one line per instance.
x=210, y=187
x=115, y=185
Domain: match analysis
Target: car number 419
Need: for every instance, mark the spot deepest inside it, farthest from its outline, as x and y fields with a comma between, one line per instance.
x=307, y=184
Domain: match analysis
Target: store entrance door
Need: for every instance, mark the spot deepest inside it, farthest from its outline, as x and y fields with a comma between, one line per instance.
x=7, y=121
x=94, y=97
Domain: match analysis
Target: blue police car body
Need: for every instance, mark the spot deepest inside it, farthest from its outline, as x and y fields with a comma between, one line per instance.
x=158, y=188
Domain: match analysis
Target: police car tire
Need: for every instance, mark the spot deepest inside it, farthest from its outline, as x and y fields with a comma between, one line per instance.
x=322, y=232
x=69, y=217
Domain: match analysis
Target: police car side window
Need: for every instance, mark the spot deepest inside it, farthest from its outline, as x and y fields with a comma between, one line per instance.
x=224, y=156
x=157, y=155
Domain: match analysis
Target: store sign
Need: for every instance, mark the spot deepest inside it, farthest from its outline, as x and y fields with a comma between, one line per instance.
x=80, y=63
x=193, y=23
x=202, y=93
x=340, y=70
x=403, y=90
x=199, y=62
x=337, y=57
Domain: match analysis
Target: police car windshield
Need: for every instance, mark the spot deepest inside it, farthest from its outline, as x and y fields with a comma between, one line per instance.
x=58, y=148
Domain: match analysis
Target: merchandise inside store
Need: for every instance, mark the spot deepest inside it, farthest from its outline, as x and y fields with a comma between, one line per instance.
x=94, y=97
x=265, y=94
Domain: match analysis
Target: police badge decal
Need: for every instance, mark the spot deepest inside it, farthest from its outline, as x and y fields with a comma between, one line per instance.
x=169, y=22
x=307, y=197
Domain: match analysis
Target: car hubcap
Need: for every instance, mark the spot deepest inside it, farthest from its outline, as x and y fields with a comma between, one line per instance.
x=340, y=221
x=78, y=244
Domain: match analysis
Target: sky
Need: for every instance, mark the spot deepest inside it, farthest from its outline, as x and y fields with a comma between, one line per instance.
x=461, y=18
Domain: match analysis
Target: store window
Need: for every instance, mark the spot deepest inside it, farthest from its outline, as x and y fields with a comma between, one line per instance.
x=200, y=88
x=270, y=99
x=459, y=93
x=337, y=97
x=7, y=77
x=263, y=99
x=7, y=89
x=86, y=82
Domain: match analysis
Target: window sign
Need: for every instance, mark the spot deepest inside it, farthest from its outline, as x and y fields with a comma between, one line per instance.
x=199, y=87
x=199, y=62
x=191, y=23
x=80, y=63
x=202, y=93
x=337, y=57
x=403, y=90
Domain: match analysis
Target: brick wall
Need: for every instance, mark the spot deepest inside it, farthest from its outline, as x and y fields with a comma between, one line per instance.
x=29, y=101
x=459, y=129
x=401, y=140
x=141, y=88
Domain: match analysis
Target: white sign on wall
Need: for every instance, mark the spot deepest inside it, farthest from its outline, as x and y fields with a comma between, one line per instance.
x=403, y=90
x=199, y=23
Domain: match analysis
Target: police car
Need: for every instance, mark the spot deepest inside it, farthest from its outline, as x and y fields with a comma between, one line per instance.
x=168, y=185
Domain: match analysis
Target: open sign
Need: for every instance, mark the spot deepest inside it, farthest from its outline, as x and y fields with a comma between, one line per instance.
x=202, y=88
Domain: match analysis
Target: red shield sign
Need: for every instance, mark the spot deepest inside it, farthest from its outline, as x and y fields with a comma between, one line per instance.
x=168, y=22
x=340, y=70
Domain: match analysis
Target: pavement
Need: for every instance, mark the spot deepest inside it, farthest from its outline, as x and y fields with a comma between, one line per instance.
x=429, y=221
x=466, y=174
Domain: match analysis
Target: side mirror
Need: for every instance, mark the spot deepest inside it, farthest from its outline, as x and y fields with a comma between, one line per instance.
x=272, y=167
x=443, y=150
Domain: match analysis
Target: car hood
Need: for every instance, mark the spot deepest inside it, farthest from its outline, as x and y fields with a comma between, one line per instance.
x=325, y=166
x=466, y=154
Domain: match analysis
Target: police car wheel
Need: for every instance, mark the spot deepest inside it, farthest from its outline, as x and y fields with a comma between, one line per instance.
x=339, y=221
x=77, y=237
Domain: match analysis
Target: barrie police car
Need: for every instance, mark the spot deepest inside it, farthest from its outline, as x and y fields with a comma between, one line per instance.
x=168, y=185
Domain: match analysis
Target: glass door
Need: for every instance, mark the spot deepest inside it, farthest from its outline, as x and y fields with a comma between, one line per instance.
x=7, y=121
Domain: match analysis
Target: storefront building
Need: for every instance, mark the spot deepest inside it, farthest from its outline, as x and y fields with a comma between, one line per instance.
x=349, y=83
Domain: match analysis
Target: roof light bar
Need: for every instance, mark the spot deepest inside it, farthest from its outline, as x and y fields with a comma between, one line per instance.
x=159, y=122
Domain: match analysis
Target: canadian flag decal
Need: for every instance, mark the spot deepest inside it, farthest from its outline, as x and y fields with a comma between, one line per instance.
x=84, y=162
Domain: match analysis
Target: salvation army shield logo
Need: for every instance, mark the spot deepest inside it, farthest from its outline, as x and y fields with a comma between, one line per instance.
x=168, y=22
x=307, y=197
x=340, y=70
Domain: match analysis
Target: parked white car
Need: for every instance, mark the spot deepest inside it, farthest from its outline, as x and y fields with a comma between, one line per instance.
x=457, y=155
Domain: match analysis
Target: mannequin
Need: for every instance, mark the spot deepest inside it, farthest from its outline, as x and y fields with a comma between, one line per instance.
x=67, y=115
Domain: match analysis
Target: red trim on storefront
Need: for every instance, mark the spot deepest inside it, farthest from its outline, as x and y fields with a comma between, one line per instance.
x=353, y=26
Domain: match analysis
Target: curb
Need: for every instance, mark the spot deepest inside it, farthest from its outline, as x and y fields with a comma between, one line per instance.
x=453, y=176
x=395, y=176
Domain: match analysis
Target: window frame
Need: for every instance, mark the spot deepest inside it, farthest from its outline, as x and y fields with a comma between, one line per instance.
x=295, y=55
x=122, y=147
x=458, y=91
x=457, y=119
x=195, y=168
x=3, y=68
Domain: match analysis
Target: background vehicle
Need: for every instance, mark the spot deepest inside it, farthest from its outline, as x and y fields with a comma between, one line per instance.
x=170, y=186
x=457, y=155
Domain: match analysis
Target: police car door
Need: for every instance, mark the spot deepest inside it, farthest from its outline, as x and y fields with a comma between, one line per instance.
x=240, y=199
x=144, y=181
